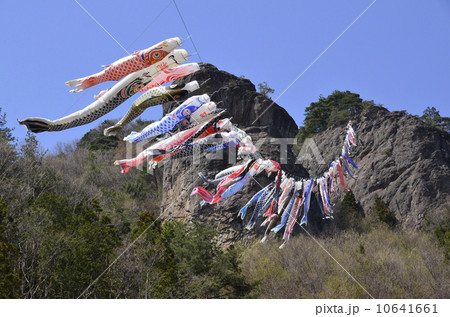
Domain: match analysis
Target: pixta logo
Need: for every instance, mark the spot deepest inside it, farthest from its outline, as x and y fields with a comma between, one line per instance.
x=309, y=147
x=199, y=152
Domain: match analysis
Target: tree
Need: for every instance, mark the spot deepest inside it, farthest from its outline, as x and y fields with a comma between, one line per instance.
x=8, y=153
x=432, y=117
x=95, y=140
x=337, y=108
x=265, y=90
x=9, y=277
x=382, y=212
x=442, y=234
x=31, y=148
x=194, y=267
x=5, y=132
x=78, y=246
x=349, y=215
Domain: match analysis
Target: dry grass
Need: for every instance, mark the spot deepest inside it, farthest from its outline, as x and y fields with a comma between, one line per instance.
x=389, y=264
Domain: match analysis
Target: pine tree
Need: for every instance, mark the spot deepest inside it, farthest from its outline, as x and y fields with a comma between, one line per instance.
x=382, y=212
x=194, y=267
x=5, y=132
x=337, y=108
x=432, y=117
x=9, y=278
x=349, y=215
x=265, y=90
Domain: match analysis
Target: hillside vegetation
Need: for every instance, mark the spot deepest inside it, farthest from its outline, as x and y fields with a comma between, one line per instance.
x=66, y=216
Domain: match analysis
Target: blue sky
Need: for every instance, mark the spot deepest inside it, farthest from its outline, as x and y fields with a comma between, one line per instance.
x=397, y=53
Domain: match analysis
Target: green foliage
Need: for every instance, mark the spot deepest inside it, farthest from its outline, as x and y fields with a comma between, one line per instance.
x=382, y=212
x=5, y=132
x=349, y=215
x=57, y=207
x=8, y=159
x=442, y=234
x=264, y=89
x=362, y=250
x=95, y=140
x=145, y=220
x=388, y=152
x=104, y=143
x=142, y=186
x=10, y=280
x=30, y=149
x=139, y=124
x=194, y=267
x=70, y=215
x=337, y=108
x=100, y=143
x=63, y=237
x=432, y=117
x=79, y=246
x=194, y=250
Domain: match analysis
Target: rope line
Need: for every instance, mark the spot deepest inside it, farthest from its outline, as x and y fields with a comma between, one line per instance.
x=124, y=49
x=98, y=23
x=148, y=26
x=193, y=43
x=189, y=34
x=317, y=58
x=124, y=251
x=323, y=248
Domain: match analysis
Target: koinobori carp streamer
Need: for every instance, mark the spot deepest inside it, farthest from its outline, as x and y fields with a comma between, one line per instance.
x=123, y=90
x=127, y=65
x=170, y=120
x=167, y=147
x=201, y=127
x=153, y=97
x=164, y=76
x=282, y=200
x=171, y=74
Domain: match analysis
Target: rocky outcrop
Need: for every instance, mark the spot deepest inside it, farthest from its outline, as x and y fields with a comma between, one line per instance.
x=262, y=119
x=402, y=160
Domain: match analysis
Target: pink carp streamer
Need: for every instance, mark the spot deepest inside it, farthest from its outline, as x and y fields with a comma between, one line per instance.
x=273, y=199
x=341, y=176
x=156, y=149
x=165, y=76
x=167, y=147
x=251, y=169
x=171, y=74
x=223, y=185
x=127, y=65
x=101, y=93
x=114, y=97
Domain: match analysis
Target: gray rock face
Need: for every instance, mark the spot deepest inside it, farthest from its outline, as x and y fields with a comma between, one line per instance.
x=402, y=160
x=253, y=113
x=243, y=103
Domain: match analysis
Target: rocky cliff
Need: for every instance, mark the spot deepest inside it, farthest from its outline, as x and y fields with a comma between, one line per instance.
x=402, y=160
x=252, y=112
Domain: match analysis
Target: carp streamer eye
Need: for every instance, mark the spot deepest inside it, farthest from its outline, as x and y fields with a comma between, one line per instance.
x=155, y=55
x=186, y=112
x=137, y=88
